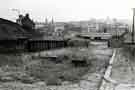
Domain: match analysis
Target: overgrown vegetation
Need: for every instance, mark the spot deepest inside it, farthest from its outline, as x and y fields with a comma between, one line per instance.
x=129, y=52
x=60, y=69
x=65, y=67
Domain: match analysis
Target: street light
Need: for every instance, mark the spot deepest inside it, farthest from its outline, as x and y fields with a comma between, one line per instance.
x=133, y=26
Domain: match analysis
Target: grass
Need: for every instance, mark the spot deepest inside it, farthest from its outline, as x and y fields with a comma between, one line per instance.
x=129, y=52
x=53, y=72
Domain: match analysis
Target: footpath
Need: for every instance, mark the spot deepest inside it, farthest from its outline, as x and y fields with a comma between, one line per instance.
x=111, y=84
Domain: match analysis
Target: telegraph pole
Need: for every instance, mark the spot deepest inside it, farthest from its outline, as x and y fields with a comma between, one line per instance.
x=133, y=26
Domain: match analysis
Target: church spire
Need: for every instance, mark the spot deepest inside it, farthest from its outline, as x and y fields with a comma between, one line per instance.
x=52, y=21
x=46, y=21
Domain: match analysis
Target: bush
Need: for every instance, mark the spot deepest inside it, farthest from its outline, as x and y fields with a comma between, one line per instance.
x=74, y=74
x=129, y=52
x=53, y=81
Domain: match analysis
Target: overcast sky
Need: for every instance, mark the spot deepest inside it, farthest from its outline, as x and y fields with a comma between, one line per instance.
x=68, y=10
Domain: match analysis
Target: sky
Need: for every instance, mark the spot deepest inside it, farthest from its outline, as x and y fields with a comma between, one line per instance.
x=67, y=10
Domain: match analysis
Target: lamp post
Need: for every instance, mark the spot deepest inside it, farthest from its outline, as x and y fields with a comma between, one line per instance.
x=133, y=26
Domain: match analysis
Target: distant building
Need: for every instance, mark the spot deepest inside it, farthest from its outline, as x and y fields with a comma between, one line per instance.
x=46, y=28
x=117, y=27
x=73, y=28
x=93, y=27
x=39, y=25
x=59, y=29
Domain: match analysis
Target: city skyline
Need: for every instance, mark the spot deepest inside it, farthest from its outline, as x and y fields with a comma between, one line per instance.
x=68, y=10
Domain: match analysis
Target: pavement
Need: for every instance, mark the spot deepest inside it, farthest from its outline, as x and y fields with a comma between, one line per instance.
x=109, y=83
